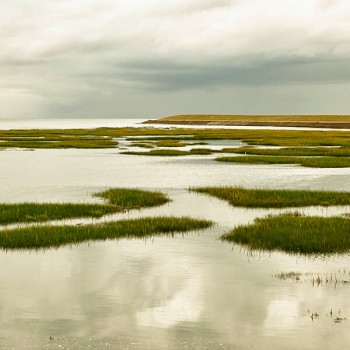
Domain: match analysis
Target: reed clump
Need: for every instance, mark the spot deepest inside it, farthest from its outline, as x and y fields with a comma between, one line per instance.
x=39, y=212
x=40, y=237
x=142, y=145
x=292, y=151
x=294, y=233
x=171, y=152
x=267, y=198
x=170, y=143
x=126, y=198
x=158, y=152
x=117, y=199
x=311, y=162
x=59, y=142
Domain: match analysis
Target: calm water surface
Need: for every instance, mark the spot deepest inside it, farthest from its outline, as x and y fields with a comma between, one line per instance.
x=188, y=292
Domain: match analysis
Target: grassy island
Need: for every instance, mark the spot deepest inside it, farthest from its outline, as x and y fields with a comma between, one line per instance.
x=106, y=137
x=117, y=199
x=294, y=233
x=315, y=121
x=171, y=152
x=40, y=237
x=311, y=162
x=258, y=198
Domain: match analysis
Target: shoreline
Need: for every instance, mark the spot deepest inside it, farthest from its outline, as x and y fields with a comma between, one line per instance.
x=300, y=124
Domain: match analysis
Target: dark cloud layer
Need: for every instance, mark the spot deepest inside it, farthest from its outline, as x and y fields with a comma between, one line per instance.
x=120, y=58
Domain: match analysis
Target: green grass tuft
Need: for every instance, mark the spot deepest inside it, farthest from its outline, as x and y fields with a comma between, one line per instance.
x=311, y=162
x=292, y=151
x=257, y=198
x=132, y=198
x=39, y=237
x=119, y=199
x=172, y=152
x=294, y=233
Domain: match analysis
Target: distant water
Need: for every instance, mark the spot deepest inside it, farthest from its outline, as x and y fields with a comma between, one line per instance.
x=64, y=123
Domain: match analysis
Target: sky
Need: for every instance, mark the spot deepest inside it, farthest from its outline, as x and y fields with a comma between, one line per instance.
x=154, y=58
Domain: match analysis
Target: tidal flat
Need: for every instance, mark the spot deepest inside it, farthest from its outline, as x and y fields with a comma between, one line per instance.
x=179, y=291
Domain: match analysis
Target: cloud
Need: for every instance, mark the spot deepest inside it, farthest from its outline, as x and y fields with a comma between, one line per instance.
x=61, y=53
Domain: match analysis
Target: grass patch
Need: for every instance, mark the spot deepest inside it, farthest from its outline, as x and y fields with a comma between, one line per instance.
x=170, y=143
x=119, y=199
x=254, y=198
x=159, y=152
x=38, y=237
x=132, y=198
x=294, y=233
x=310, y=162
x=171, y=152
x=103, y=137
x=266, y=118
x=60, y=142
x=142, y=145
x=292, y=151
x=39, y=212
x=200, y=151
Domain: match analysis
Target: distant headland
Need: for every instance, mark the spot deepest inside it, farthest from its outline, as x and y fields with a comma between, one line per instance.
x=313, y=121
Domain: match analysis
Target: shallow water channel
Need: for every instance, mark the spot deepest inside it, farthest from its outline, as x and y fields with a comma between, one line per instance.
x=190, y=291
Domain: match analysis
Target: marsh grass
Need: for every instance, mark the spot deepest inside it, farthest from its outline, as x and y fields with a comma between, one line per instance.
x=117, y=199
x=170, y=143
x=252, y=137
x=172, y=152
x=126, y=198
x=40, y=237
x=294, y=233
x=258, y=198
x=61, y=143
x=268, y=118
x=159, y=152
x=39, y=212
x=292, y=151
x=341, y=277
x=142, y=145
x=311, y=162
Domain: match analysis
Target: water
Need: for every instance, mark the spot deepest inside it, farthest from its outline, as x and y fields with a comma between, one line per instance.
x=188, y=292
x=52, y=123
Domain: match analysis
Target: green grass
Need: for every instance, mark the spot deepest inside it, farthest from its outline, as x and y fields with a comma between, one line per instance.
x=257, y=198
x=132, y=198
x=90, y=137
x=58, y=142
x=292, y=151
x=294, y=233
x=159, y=152
x=38, y=212
x=266, y=118
x=170, y=143
x=40, y=237
x=117, y=200
x=310, y=162
x=142, y=145
x=171, y=152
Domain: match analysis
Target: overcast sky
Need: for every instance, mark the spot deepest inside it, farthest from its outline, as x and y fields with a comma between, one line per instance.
x=151, y=58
